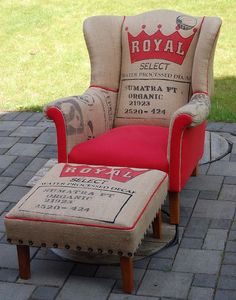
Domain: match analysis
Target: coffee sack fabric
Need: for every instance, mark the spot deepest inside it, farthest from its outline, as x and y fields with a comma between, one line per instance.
x=157, y=56
x=202, y=75
x=87, y=206
x=86, y=116
x=103, y=39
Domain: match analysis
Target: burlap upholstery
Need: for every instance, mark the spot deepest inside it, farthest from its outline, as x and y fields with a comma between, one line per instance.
x=103, y=39
x=158, y=49
x=86, y=116
x=90, y=208
x=150, y=65
x=202, y=70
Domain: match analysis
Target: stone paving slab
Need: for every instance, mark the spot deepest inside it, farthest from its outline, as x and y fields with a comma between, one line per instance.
x=86, y=288
x=36, y=117
x=36, y=164
x=8, y=275
x=86, y=270
x=228, y=192
x=214, y=209
x=200, y=293
x=162, y=264
x=204, y=183
x=6, y=160
x=225, y=295
x=50, y=273
x=26, y=149
x=230, y=246
x=45, y=293
x=215, y=239
x=228, y=270
x=224, y=168
x=198, y=261
x=197, y=228
x=9, y=116
x=205, y=280
x=191, y=243
x=13, y=170
x=131, y=297
x=8, y=142
x=8, y=256
x=227, y=283
x=13, y=193
x=23, y=116
x=165, y=284
x=27, y=131
x=220, y=224
x=23, y=178
x=10, y=291
x=46, y=138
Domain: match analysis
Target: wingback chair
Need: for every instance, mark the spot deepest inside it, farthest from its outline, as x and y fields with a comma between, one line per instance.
x=149, y=97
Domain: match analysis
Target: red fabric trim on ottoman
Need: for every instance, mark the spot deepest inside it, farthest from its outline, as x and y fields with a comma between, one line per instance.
x=134, y=146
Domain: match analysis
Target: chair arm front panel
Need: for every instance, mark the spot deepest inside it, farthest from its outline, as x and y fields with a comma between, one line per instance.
x=186, y=149
x=79, y=118
x=186, y=139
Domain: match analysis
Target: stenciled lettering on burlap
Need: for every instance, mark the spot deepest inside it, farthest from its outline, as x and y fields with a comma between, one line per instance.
x=157, y=56
x=86, y=192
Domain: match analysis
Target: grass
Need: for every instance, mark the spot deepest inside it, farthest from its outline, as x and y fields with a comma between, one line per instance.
x=44, y=57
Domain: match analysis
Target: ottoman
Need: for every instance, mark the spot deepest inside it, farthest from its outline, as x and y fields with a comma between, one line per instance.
x=89, y=208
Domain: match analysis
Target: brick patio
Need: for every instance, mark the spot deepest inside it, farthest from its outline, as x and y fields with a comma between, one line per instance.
x=201, y=266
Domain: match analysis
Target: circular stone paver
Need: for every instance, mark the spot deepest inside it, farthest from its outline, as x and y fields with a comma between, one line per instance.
x=215, y=147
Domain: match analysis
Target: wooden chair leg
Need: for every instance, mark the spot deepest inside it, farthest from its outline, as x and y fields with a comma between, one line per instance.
x=126, y=264
x=174, y=204
x=195, y=171
x=157, y=225
x=24, y=261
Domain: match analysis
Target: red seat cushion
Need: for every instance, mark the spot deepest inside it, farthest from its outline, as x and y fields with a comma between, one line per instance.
x=136, y=146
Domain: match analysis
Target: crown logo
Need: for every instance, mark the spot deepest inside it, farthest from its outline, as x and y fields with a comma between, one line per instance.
x=173, y=47
x=117, y=174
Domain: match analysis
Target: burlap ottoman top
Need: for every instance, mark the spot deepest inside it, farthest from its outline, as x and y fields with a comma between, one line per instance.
x=87, y=198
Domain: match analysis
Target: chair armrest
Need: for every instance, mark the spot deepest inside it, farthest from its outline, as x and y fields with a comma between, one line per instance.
x=198, y=108
x=186, y=139
x=79, y=118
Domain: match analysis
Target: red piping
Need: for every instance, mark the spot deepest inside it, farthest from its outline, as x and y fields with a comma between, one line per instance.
x=200, y=92
x=105, y=88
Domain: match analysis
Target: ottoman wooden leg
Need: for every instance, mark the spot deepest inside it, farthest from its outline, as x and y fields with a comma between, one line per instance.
x=174, y=203
x=157, y=226
x=24, y=261
x=126, y=264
